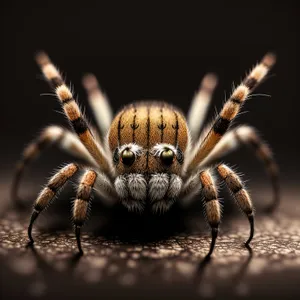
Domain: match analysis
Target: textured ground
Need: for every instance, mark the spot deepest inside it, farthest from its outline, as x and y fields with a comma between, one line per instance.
x=167, y=266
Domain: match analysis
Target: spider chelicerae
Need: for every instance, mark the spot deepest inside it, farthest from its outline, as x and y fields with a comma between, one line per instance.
x=149, y=156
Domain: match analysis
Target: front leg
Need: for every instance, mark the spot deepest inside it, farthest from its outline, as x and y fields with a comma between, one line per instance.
x=82, y=202
x=45, y=197
x=212, y=206
x=83, y=196
x=236, y=187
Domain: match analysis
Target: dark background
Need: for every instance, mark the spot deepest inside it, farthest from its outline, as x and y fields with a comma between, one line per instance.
x=150, y=52
x=147, y=52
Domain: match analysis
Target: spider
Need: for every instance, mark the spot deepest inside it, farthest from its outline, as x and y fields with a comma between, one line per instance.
x=149, y=155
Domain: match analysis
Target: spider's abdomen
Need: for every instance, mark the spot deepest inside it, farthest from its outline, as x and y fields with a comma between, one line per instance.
x=148, y=124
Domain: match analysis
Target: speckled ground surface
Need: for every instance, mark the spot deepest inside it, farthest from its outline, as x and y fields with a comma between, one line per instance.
x=169, y=266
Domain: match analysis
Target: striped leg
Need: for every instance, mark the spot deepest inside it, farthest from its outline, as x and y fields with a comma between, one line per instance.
x=49, y=192
x=81, y=204
x=236, y=187
x=73, y=113
x=52, y=135
x=99, y=103
x=229, y=111
x=247, y=135
x=212, y=206
x=200, y=105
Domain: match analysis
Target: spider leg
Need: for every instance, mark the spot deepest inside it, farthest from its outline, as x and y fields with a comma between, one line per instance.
x=229, y=111
x=81, y=204
x=236, y=187
x=212, y=206
x=200, y=105
x=246, y=135
x=74, y=114
x=105, y=189
x=51, y=135
x=82, y=201
x=49, y=192
x=190, y=188
x=99, y=103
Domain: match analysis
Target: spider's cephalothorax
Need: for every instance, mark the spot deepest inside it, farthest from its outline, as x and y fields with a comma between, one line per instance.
x=148, y=140
x=149, y=155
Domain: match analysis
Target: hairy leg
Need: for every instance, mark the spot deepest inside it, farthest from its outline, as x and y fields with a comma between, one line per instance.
x=230, y=110
x=51, y=135
x=99, y=103
x=190, y=188
x=246, y=135
x=50, y=191
x=81, y=204
x=236, y=187
x=74, y=114
x=200, y=104
x=212, y=206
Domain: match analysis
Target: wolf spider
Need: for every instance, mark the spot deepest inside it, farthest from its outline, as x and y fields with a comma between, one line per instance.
x=149, y=155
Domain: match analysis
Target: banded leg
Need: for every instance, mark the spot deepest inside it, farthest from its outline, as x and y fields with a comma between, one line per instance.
x=246, y=135
x=52, y=135
x=212, y=206
x=81, y=204
x=49, y=192
x=200, y=105
x=73, y=113
x=229, y=111
x=236, y=187
x=99, y=103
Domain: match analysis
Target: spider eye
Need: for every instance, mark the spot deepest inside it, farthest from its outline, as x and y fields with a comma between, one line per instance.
x=127, y=157
x=167, y=157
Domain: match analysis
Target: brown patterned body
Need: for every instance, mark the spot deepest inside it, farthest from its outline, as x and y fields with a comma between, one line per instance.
x=148, y=124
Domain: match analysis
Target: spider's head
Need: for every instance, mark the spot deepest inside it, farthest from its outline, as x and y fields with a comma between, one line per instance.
x=148, y=144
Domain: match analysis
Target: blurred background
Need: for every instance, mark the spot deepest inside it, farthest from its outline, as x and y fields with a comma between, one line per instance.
x=151, y=52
